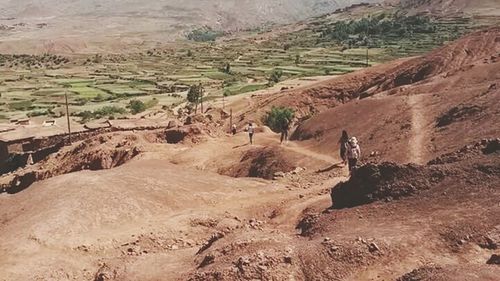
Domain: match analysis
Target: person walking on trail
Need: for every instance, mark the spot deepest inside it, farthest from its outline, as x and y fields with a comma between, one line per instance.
x=344, y=142
x=233, y=129
x=285, y=127
x=353, y=154
x=250, y=130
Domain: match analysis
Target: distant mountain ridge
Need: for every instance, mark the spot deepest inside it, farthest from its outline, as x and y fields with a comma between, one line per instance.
x=227, y=13
x=61, y=26
x=450, y=7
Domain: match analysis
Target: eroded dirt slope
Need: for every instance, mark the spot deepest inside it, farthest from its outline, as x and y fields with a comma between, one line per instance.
x=419, y=121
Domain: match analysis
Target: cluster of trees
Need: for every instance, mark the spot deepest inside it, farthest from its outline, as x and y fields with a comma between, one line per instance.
x=135, y=107
x=278, y=117
x=36, y=61
x=138, y=106
x=46, y=112
x=204, y=34
x=195, y=95
x=356, y=31
x=106, y=111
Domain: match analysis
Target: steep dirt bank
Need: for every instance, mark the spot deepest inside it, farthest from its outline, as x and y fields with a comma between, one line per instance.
x=417, y=122
x=261, y=163
x=452, y=7
x=104, y=151
x=476, y=163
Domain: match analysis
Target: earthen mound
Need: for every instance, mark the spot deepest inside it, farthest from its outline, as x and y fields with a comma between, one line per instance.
x=478, y=149
x=476, y=165
x=458, y=113
x=386, y=181
x=261, y=163
x=102, y=152
x=458, y=273
x=189, y=133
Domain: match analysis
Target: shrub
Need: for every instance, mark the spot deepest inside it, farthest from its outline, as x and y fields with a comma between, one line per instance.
x=277, y=117
x=151, y=103
x=204, y=34
x=37, y=113
x=137, y=106
x=275, y=76
x=99, y=98
x=106, y=111
x=20, y=105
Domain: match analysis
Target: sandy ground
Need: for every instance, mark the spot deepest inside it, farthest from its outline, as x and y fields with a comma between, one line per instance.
x=170, y=212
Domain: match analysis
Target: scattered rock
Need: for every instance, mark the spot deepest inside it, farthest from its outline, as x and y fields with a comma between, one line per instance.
x=287, y=259
x=373, y=247
x=209, y=259
x=105, y=273
x=215, y=237
x=307, y=223
x=494, y=259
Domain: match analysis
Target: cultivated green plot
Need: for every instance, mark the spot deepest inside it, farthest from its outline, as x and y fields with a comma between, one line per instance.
x=71, y=81
x=120, y=90
x=217, y=75
x=244, y=88
x=89, y=92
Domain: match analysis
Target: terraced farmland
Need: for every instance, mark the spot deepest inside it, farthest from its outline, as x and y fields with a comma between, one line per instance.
x=229, y=67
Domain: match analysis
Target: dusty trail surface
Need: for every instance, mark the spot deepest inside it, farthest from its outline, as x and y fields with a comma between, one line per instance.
x=194, y=203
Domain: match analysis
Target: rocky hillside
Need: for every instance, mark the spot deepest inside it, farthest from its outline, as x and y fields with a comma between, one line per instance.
x=39, y=26
x=447, y=7
x=225, y=13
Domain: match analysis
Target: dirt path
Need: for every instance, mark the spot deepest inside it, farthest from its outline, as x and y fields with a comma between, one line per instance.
x=417, y=145
x=296, y=147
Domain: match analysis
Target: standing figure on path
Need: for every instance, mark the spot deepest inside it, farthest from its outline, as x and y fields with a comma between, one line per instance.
x=353, y=154
x=343, y=142
x=30, y=162
x=285, y=127
x=233, y=129
x=250, y=130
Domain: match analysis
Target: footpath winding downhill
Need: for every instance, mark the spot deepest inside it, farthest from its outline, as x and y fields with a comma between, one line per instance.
x=171, y=212
x=419, y=138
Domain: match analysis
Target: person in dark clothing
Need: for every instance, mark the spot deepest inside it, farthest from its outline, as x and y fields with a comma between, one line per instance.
x=343, y=142
x=285, y=127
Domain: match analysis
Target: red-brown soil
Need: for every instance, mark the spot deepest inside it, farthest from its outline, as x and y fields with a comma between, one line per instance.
x=261, y=163
x=476, y=164
x=104, y=151
x=420, y=121
x=164, y=212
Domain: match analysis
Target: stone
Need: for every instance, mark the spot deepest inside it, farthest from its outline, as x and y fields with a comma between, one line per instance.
x=373, y=247
x=494, y=259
